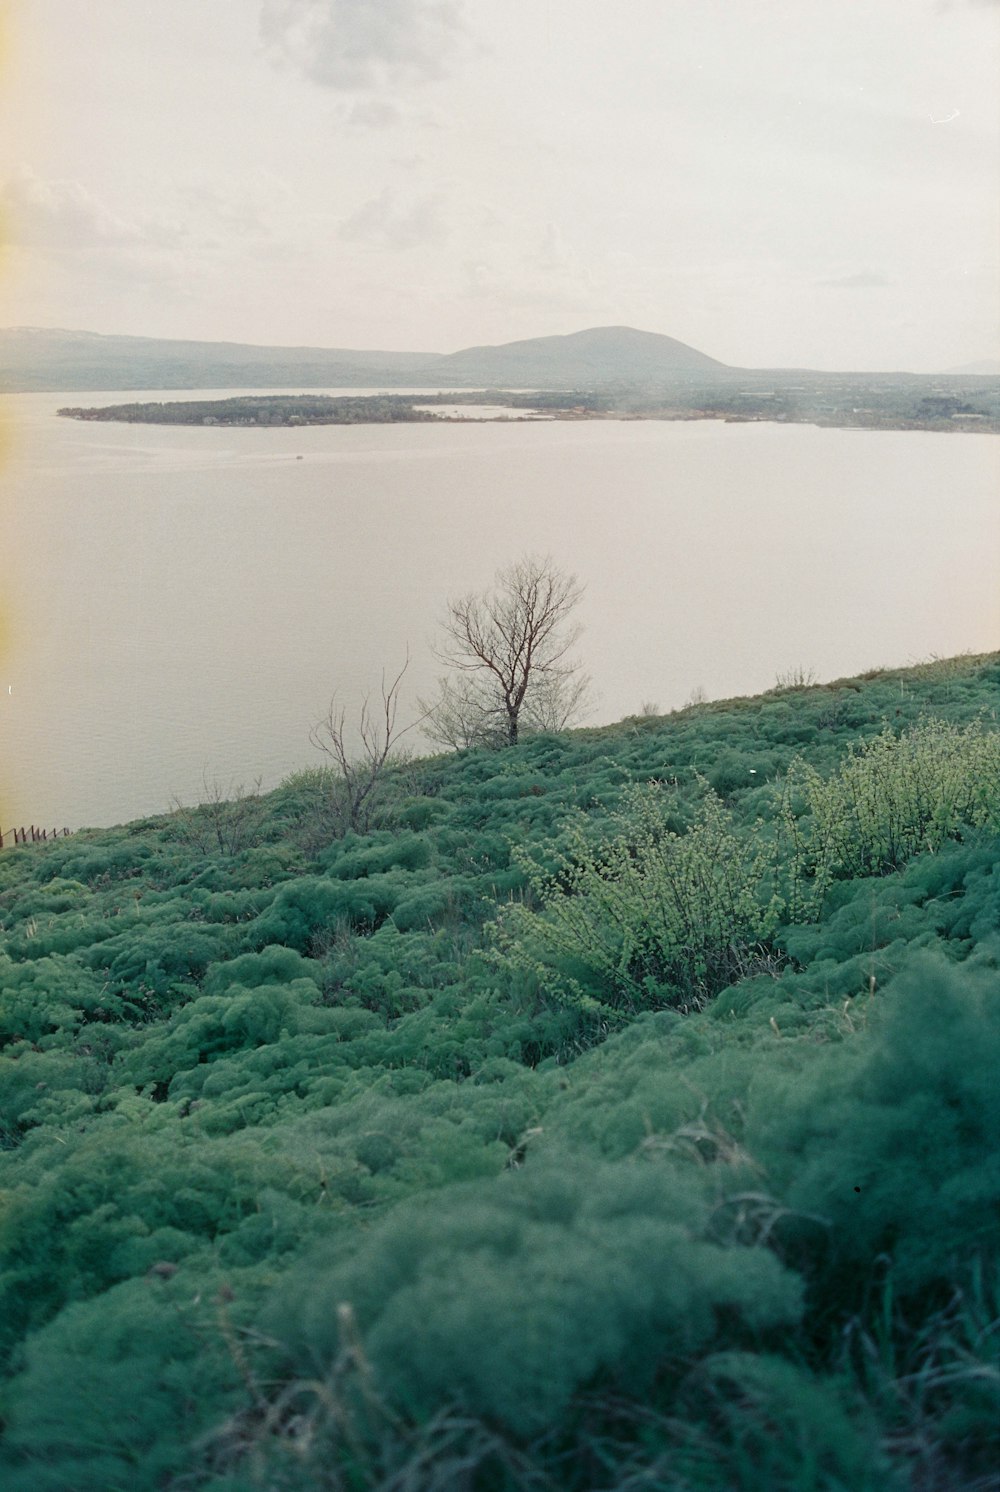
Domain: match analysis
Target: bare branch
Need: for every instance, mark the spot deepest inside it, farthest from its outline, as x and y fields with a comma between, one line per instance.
x=517, y=639
x=360, y=776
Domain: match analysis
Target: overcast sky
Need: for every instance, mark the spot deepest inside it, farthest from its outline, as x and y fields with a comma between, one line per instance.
x=776, y=182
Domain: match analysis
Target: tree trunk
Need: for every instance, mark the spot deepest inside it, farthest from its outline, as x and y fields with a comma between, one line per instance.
x=512, y=727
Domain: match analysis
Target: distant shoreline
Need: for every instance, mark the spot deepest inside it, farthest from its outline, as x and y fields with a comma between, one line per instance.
x=891, y=407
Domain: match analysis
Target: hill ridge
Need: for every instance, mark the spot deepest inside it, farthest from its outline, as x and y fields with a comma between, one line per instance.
x=66, y=359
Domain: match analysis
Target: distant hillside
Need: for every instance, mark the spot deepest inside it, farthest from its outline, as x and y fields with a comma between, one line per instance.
x=33, y=358
x=605, y=354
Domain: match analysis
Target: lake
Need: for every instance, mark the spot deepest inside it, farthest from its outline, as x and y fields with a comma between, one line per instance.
x=180, y=604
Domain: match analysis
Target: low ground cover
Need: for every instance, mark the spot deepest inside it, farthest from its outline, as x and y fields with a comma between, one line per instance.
x=620, y=1111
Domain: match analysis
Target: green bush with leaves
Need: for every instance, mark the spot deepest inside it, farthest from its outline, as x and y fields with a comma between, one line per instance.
x=651, y=917
x=892, y=798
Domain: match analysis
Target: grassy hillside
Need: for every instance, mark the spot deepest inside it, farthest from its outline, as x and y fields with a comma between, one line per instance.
x=619, y=1113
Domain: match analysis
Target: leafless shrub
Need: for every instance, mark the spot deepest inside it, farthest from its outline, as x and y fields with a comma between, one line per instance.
x=357, y=780
x=795, y=678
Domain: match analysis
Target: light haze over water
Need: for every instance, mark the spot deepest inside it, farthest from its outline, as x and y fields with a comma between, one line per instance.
x=183, y=602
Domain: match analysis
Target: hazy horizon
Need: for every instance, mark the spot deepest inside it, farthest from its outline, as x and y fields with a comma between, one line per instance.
x=780, y=186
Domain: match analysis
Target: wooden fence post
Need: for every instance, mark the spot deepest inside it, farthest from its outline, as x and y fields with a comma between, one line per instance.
x=34, y=834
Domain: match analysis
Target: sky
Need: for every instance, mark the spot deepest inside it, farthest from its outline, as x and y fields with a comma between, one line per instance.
x=776, y=182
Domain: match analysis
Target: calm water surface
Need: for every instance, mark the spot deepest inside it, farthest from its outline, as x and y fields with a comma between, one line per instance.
x=180, y=604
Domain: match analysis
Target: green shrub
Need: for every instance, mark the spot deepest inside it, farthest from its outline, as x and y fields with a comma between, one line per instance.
x=893, y=797
x=508, y=1296
x=50, y=995
x=659, y=918
x=756, y=1423
x=313, y=905
x=111, y=1393
x=891, y=1140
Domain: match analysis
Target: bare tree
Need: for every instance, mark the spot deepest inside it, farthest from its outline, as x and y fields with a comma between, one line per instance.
x=360, y=775
x=511, y=645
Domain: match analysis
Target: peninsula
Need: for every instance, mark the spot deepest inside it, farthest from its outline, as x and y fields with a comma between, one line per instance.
x=859, y=402
x=609, y=372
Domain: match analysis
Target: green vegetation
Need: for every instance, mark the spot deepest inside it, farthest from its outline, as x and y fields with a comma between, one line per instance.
x=618, y=1110
x=261, y=409
x=873, y=401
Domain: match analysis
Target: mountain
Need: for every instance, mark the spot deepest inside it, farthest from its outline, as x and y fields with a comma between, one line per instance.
x=37, y=358
x=34, y=358
x=604, y=354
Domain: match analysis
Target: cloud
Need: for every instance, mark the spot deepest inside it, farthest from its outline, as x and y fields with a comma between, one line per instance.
x=64, y=217
x=374, y=114
x=530, y=270
x=236, y=213
x=377, y=112
x=60, y=214
x=398, y=224
x=556, y=258
x=352, y=45
x=214, y=235
x=863, y=281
